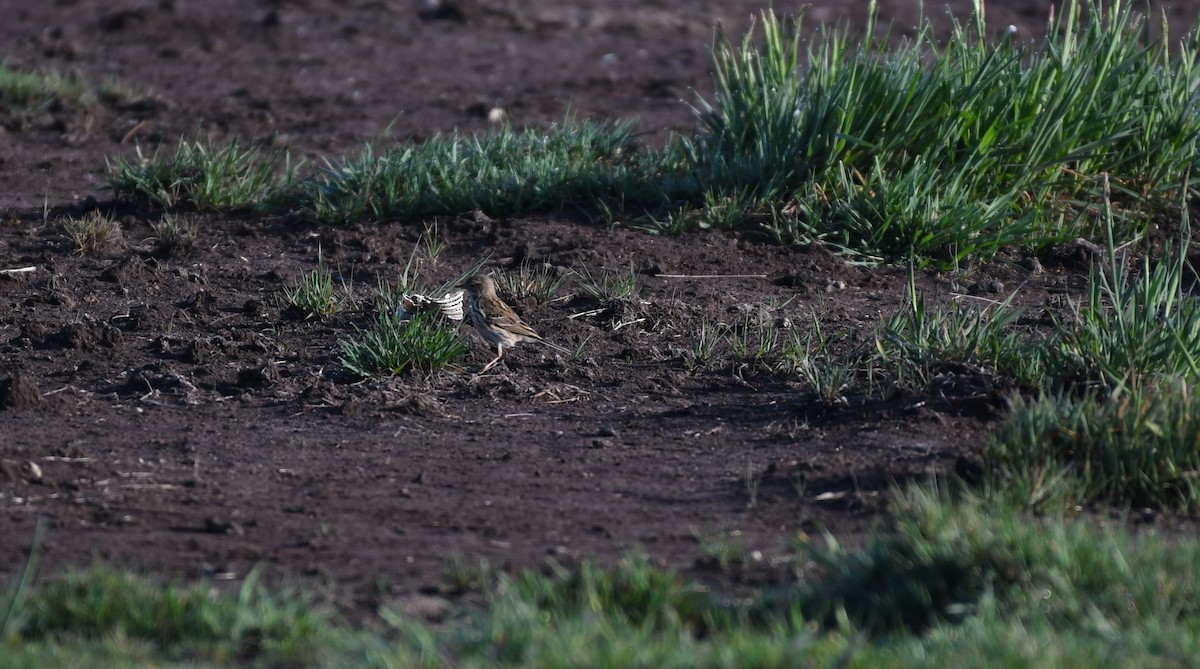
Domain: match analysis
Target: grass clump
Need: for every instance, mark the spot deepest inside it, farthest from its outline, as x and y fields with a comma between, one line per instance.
x=705, y=337
x=919, y=342
x=91, y=232
x=28, y=92
x=114, y=614
x=950, y=558
x=634, y=591
x=540, y=282
x=391, y=346
x=205, y=177
x=500, y=173
x=25, y=93
x=174, y=235
x=754, y=341
x=314, y=295
x=607, y=285
x=946, y=152
x=954, y=579
x=1135, y=327
x=824, y=374
x=1138, y=447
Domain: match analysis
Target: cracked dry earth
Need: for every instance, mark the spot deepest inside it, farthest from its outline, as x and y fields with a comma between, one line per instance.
x=159, y=410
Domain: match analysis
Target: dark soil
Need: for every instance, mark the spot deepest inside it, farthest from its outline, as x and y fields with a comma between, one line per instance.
x=158, y=410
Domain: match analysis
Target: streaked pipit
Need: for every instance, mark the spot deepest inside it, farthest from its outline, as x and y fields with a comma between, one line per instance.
x=496, y=321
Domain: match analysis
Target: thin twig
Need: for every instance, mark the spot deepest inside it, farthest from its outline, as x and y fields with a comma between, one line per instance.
x=589, y=312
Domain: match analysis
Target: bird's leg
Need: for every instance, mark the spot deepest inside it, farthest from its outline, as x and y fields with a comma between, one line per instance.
x=499, y=354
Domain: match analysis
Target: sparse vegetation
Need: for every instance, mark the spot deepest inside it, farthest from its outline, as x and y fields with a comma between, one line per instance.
x=607, y=285
x=725, y=549
x=705, y=336
x=205, y=177
x=91, y=232
x=500, y=173
x=25, y=92
x=174, y=234
x=955, y=578
x=432, y=243
x=936, y=156
x=883, y=151
x=314, y=294
x=539, y=282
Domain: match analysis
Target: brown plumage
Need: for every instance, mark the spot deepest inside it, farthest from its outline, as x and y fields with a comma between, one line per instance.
x=496, y=321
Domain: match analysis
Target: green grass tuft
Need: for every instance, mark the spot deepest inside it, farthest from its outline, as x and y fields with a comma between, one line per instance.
x=314, y=295
x=607, y=285
x=954, y=579
x=205, y=177
x=25, y=93
x=889, y=150
x=540, y=282
x=951, y=558
x=500, y=173
x=100, y=605
x=1139, y=447
x=391, y=346
x=91, y=232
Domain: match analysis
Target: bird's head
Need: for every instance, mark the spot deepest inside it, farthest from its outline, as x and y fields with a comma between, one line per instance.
x=481, y=284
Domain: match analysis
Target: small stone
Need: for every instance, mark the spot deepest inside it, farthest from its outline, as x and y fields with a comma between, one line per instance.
x=986, y=286
x=601, y=443
x=1076, y=253
x=214, y=525
x=32, y=472
x=606, y=432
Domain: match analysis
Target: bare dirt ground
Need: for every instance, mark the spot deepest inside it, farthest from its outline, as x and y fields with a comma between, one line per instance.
x=160, y=413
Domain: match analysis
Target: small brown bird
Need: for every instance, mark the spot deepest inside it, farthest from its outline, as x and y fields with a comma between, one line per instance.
x=496, y=321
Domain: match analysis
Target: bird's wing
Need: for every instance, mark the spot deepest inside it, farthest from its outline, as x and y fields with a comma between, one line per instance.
x=511, y=322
